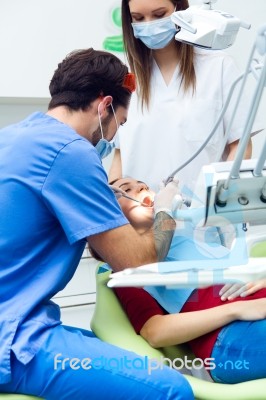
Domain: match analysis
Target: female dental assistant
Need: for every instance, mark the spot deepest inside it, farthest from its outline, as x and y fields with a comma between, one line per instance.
x=181, y=91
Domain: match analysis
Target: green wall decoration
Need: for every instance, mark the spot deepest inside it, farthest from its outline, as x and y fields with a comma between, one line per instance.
x=115, y=43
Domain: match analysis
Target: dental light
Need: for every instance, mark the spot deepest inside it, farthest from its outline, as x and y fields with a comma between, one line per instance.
x=205, y=27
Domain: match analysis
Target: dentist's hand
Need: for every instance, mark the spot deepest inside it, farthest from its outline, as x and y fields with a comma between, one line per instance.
x=165, y=199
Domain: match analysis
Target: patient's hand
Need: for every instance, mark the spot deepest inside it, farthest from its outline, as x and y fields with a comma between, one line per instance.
x=232, y=290
x=252, y=310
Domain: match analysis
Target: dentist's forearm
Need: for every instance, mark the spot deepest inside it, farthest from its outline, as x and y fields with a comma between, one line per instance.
x=163, y=231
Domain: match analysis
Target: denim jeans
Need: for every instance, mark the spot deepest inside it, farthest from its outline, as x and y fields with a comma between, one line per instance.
x=240, y=352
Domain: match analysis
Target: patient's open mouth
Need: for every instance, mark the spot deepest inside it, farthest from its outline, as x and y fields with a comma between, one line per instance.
x=148, y=201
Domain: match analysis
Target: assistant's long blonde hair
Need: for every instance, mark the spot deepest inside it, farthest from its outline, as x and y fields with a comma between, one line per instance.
x=140, y=57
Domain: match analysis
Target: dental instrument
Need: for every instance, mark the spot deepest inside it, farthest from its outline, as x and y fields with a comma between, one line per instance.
x=121, y=193
x=179, y=200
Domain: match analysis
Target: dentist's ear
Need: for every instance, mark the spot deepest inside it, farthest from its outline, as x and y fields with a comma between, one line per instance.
x=106, y=101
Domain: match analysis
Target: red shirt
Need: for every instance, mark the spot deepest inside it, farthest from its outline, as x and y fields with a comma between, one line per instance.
x=140, y=306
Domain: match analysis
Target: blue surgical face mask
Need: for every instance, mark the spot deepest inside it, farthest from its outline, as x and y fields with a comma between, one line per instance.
x=155, y=34
x=104, y=147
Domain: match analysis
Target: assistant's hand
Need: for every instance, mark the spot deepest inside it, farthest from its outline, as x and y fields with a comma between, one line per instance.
x=232, y=290
x=164, y=199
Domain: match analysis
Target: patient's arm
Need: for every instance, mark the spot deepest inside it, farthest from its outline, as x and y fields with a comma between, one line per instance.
x=173, y=329
x=232, y=148
x=161, y=329
x=115, y=171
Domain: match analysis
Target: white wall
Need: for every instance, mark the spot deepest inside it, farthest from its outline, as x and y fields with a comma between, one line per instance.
x=36, y=34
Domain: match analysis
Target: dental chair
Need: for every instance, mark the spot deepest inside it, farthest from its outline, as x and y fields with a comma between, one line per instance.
x=110, y=324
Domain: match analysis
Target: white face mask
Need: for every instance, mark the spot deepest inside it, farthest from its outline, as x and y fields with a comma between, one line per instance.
x=155, y=34
x=104, y=147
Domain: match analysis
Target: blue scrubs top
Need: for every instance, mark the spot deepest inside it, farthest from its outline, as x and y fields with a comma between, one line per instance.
x=53, y=195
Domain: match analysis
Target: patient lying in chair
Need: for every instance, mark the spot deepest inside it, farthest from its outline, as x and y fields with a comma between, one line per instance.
x=225, y=326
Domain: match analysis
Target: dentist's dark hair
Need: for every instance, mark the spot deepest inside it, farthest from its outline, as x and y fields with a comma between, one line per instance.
x=140, y=57
x=84, y=75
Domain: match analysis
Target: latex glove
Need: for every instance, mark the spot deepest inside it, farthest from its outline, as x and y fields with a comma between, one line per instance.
x=177, y=202
x=164, y=200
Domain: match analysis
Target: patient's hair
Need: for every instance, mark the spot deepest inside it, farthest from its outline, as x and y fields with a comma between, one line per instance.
x=115, y=180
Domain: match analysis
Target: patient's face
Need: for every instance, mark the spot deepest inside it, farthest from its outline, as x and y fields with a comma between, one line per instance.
x=138, y=215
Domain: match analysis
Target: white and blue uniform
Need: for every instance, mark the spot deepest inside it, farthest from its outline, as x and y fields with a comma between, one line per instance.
x=54, y=194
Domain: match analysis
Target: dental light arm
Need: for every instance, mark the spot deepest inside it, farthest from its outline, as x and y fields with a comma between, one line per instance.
x=204, y=27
